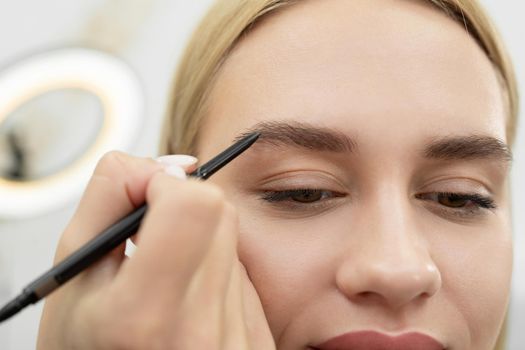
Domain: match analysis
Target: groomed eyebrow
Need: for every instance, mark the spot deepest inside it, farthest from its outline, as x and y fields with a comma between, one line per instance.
x=470, y=147
x=302, y=135
x=307, y=136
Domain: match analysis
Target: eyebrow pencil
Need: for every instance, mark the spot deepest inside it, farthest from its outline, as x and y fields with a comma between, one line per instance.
x=109, y=239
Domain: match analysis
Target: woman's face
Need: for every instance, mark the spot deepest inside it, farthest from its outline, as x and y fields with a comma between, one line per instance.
x=389, y=118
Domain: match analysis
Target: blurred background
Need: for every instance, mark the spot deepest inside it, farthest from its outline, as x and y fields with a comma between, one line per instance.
x=110, y=66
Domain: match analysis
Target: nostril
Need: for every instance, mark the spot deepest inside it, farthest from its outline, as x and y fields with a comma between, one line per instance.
x=425, y=295
x=366, y=295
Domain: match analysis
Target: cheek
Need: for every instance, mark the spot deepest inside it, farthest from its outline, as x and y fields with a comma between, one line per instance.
x=287, y=264
x=476, y=272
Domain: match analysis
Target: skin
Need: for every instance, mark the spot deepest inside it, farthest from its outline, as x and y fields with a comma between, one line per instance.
x=392, y=75
x=250, y=274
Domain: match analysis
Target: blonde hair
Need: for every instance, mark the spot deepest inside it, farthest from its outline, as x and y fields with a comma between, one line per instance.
x=229, y=20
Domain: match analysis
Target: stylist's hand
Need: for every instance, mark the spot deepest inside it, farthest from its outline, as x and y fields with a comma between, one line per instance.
x=184, y=288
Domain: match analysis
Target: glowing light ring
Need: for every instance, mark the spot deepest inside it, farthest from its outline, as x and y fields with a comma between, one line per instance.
x=101, y=74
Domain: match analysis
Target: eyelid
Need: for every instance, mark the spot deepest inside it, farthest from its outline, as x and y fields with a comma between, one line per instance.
x=303, y=179
x=457, y=185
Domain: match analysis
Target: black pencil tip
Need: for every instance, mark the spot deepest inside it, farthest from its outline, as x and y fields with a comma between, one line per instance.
x=9, y=310
x=14, y=306
x=212, y=166
x=254, y=136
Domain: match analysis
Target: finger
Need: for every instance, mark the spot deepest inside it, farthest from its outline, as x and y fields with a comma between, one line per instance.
x=117, y=186
x=211, y=280
x=175, y=235
x=206, y=294
x=201, y=308
x=177, y=165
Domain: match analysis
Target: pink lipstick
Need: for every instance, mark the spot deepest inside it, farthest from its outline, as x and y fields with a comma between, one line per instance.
x=371, y=340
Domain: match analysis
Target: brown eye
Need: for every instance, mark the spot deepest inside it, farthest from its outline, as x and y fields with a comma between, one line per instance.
x=452, y=201
x=307, y=196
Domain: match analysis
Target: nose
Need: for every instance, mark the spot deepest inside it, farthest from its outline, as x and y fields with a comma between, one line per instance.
x=392, y=264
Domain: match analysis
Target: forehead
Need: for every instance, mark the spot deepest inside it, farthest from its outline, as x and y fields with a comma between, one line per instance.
x=384, y=67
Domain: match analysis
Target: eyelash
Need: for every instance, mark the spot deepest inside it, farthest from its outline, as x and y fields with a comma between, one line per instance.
x=471, y=203
x=478, y=200
x=474, y=205
x=282, y=198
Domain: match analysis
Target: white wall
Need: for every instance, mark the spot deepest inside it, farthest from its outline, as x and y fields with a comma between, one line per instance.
x=149, y=34
x=508, y=16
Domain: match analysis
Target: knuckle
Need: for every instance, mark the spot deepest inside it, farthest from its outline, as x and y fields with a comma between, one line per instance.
x=111, y=161
x=189, y=195
x=117, y=163
x=197, y=204
x=209, y=201
x=212, y=195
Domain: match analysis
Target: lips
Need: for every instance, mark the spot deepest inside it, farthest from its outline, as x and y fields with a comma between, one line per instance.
x=371, y=340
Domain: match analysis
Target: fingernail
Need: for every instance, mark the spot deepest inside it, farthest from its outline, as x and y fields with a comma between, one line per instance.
x=177, y=159
x=176, y=171
x=130, y=248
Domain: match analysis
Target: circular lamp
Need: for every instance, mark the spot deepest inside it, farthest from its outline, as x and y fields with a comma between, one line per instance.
x=106, y=77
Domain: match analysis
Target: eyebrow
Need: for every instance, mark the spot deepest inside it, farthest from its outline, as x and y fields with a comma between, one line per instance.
x=301, y=135
x=469, y=147
x=311, y=137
